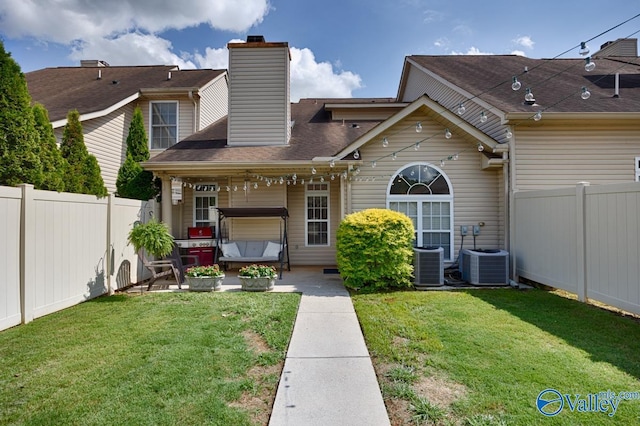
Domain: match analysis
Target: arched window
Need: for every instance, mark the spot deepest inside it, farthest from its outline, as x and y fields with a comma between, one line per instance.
x=423, y=192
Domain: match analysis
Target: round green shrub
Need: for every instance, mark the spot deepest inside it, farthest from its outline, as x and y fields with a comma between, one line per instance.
x=375, y=250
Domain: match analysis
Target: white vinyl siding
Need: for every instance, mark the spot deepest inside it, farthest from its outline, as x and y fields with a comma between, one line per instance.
x=259, y=105
x=164, y=118
x=214, y=102
x=317, y=214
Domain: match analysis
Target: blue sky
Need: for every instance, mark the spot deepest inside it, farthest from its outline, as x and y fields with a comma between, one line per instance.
x=345, y=48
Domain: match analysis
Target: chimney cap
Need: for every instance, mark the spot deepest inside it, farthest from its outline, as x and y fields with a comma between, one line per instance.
x=255, y=39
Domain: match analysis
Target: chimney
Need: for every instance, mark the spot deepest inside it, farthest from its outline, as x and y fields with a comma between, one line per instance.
x=92, y=63
x=259, y=101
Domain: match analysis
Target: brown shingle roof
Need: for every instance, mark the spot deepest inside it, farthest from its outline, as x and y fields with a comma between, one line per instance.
x=65, y=88
x=555, y=83
x=313, y=135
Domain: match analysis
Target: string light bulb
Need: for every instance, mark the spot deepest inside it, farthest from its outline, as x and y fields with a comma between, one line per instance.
x=313, y=171
x=394, y=156
x=529, y=96
x=374, y=164
x=447, y=133
x=589, y=64
x=480, y=147
x=508, y=134
x=584, y=49
x=461, y=108
x=483, y=117
x=585, y=93
x=516, y=85
x=441, y=163
x=418, y=127
x=416, y=146
x=356, y=154
x=538, y=116
x=385, y=142
x=332, y=163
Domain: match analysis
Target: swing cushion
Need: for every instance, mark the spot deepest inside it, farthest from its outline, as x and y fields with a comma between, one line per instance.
x=254, y=251
x=272, y=250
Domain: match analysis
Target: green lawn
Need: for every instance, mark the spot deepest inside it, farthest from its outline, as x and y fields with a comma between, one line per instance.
x=482, y=357
x=151, y=359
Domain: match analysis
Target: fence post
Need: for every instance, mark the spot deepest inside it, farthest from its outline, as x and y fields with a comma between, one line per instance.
x=27, y=254
x=581, y=241
x=109, y=267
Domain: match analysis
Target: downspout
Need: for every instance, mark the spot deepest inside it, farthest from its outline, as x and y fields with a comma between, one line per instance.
x=511, y=189
x=196, y=119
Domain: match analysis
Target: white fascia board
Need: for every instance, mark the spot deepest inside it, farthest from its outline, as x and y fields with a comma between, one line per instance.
x=331, y=107
x=240, y=166
x=424, y=100
x=96, y=114
x=575, y=115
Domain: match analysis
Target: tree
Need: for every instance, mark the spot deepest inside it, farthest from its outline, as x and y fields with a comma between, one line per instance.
x=19, y=142
x=133, y=181
x=83, y=175
x=53, y=164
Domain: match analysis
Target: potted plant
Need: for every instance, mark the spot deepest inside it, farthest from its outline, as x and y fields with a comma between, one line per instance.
x=204, y=278
x=257, y=277
x=154, y=237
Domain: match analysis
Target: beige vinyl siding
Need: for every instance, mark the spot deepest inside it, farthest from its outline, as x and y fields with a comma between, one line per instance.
x=477, y=193
x=106, y=138
x=553, y=155
x=259, y=106
x=312, y=255
x=419, y=82
x=214, y=102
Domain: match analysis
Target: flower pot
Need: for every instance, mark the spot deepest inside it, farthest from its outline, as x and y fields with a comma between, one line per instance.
x=205, y=283
x=257, y=283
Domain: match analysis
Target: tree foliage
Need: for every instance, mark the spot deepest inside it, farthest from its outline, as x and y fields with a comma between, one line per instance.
x=83, y=175
x=19, y=141
x=375, y=249
x=53, y=164
x=133, y=181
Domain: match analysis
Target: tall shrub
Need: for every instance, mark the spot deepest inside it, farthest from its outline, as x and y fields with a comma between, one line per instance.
x=133, y=181
x=19, y=142
x=84, y=171
x=375, y=250
x=53, y=164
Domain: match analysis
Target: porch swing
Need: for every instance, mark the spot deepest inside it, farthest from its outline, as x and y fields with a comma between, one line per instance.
x=262, y=251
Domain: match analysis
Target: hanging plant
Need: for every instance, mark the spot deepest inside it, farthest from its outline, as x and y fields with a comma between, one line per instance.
x=152, y=236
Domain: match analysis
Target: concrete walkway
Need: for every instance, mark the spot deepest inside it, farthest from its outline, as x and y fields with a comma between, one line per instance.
x=328, y=378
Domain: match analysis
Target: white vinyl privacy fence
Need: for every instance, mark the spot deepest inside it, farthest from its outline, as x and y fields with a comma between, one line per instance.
x=585, y=240
x=59, y=249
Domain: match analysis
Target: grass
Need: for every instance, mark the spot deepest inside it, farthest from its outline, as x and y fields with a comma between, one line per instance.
x=152, y=359
x=481, y=357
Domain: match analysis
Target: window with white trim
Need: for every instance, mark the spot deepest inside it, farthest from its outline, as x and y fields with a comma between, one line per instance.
x=317, y=219
x=164, y=124
x=205, y=199
x=423, y=193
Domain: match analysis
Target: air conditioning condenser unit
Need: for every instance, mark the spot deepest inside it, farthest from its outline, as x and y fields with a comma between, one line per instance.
x=485, y=267
x=428, y=266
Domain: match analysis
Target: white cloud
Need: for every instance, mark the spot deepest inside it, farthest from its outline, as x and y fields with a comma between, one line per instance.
x=131, y=49
x=441, y=42
x=433, y=16
x=524, y=41
x=518, y=52
x=64, y=21
x=472, y=51
x=318, y=79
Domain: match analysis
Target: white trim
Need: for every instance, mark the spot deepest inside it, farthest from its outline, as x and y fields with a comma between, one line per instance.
x=177, y=104
x=317, y=193
x=426, y=198
x=637, y=169
x=89, y=116
x=213, y=193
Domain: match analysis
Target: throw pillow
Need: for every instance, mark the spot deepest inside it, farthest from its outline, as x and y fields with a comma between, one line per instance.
x=230, y=250
x=271, y=250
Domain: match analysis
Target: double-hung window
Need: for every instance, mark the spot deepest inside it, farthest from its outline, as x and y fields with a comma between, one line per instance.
x=317, y=220
x=164, y=124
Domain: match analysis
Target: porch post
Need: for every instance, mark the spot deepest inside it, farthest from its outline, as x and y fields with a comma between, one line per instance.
x=166, y=202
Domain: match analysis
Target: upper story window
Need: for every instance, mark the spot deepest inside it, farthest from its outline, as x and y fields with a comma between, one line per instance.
x=164, y=124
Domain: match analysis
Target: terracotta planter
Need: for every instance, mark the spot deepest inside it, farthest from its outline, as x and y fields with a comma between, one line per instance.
x=204, y=283
x=257, y=283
